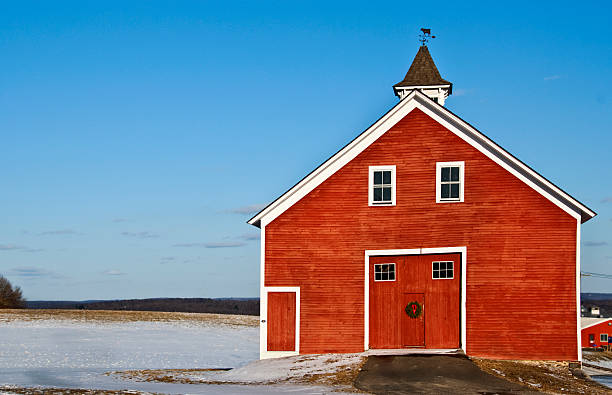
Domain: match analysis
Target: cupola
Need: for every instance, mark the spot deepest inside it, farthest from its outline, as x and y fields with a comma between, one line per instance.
x=424, y=76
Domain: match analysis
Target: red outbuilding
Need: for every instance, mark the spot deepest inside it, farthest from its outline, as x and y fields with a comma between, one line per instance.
x=596, y=332
x=422, y=233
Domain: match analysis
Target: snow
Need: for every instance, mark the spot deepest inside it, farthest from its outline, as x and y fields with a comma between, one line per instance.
x=125, y=345
x=77, y=354
x=281, y=369
x=602, y=363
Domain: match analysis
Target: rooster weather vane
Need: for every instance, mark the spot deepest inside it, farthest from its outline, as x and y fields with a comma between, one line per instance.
x=425, y=36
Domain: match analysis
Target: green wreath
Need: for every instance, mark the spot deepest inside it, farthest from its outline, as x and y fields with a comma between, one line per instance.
x=414, y=309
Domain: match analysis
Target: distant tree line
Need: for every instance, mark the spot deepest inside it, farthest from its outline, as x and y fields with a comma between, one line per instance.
x=10, y=298
x=185, y=305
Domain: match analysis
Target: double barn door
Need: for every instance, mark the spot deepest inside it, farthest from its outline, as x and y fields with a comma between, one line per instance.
x=415, y=301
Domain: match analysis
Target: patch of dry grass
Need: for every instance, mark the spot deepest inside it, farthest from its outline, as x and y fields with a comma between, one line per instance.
x=7, y=315
x=341, y=377
x=546, y=376
x=177, y=376
x=65, y=391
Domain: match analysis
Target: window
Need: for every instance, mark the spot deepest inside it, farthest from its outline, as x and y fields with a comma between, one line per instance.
x=442, y=270
x=603, y=338
x=449, y=182
x=591, y=338
x=382, y=186
x=384, y=272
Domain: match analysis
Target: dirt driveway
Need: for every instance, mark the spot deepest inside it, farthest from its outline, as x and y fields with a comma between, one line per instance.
x=431, y=374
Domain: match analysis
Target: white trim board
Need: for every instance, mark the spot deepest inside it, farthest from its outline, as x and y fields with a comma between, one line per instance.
x=446, y=118
x=578, y=323
x=263, y=323
x=413, y=251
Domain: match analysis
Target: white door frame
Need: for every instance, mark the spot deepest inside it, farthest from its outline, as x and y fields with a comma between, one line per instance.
x=263, y=325
x=414, y=251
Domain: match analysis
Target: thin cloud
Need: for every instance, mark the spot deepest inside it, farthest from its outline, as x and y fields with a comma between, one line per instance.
x=31, y=272
x=252, y=209
x=225, y=245
x=250, y=236
x=607, y=199
x=460, y=92
x=58, y=232
x=552, y=77
x=15, y=247
x=119, y=220
x=11, y=247
x=212, y=245
x=141, y=235
x=33, y=249
x=595, y=243
x=113, y=273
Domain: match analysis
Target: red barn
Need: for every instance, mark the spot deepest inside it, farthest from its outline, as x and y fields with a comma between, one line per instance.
x=596, y=332
x=422, y=233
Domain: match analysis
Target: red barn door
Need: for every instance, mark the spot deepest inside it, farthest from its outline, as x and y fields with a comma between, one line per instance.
x=413, y=329
x=395, y=282
x=281, y=321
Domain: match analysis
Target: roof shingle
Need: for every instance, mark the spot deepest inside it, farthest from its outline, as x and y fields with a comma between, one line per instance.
x=423, y=71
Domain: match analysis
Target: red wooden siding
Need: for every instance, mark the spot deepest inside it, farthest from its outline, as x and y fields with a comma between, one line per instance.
x=521, y=248
x=596, y=331
x=438, y=327
x=281, y=321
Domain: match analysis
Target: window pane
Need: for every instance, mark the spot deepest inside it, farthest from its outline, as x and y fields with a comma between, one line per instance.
x=386, y=177
x=449, y=273
x=377, y=276
x=385, y=275
x=442, y=265
x=436, y=274
x=454, y=174
x=445, y=192
x=392, y=275
x=378, y=177
x=442, y=274
x=386, y=194
x=377, y=194
x=449, y=265
x=446, y=174
x=454, y=192
x=436, y=265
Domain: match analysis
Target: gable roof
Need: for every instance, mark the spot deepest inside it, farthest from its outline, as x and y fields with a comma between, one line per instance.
x=423, y=71
x=416, y=99
x=587, y=322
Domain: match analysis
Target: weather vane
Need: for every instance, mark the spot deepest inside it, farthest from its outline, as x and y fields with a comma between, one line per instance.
x=425, y=36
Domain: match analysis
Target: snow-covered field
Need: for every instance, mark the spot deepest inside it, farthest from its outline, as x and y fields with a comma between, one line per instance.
x=72, y=353
x=129, y=345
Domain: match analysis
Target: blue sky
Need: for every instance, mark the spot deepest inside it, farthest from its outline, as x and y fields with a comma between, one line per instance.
x=137, y=137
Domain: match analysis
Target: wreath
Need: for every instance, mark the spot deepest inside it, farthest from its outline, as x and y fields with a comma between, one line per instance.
x=414, y=309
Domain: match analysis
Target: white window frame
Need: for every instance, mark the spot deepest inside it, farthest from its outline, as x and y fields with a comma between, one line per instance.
x=394, y=272
x=439, y=166
x=440, y=278
x=371, y=185
x=601, y=337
